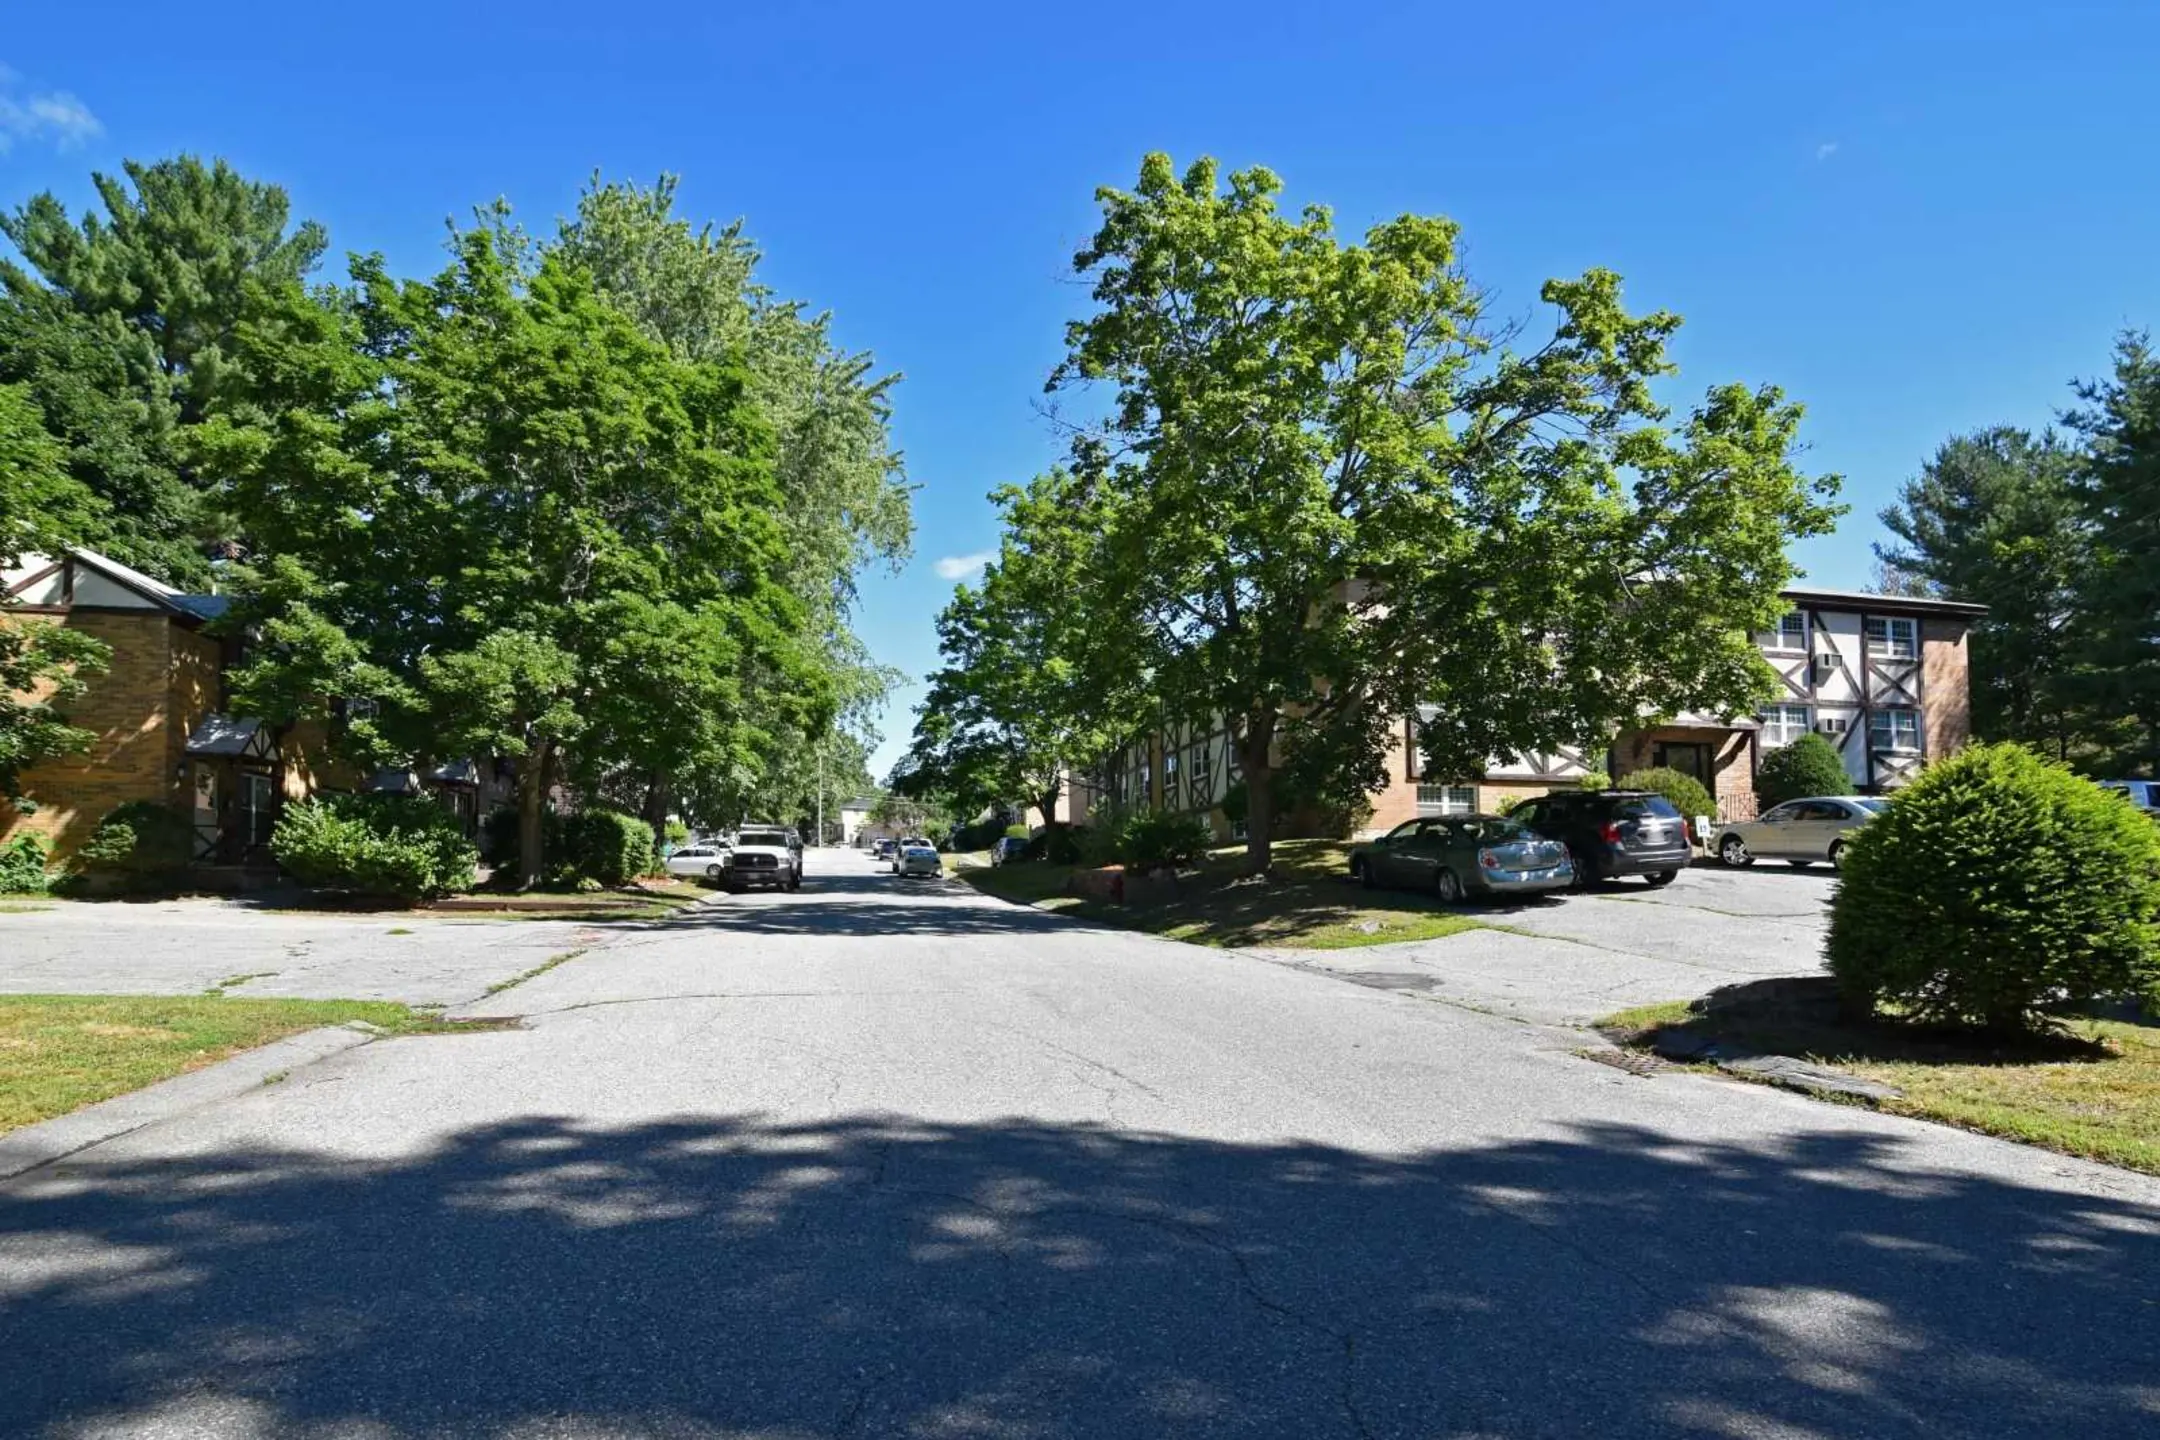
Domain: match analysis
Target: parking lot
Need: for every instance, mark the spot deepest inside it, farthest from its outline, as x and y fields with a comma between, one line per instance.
x=1575, y=957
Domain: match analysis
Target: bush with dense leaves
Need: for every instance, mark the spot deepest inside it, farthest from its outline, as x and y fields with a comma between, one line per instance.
x=1153, y=839
x=1808, y=766
x=22, y=866
x=1997, y=884
x=1684, y=791
x=499, y=840
x=980, y=835
x=606, y=847
x=401, y=847
x=142, y=839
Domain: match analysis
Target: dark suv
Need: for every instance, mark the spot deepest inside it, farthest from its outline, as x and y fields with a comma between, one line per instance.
x=1612, y=833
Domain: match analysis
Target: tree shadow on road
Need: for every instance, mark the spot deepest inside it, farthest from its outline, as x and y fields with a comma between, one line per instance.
x=878, y=1276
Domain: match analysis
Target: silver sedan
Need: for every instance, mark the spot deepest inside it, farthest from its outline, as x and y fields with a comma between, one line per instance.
x=917, y=857
x=1799, y=831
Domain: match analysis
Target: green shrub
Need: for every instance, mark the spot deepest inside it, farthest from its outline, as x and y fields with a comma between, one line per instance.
x=402, y=847
x=606, y=847
x=1154, y=838
x=499, y=838
x=142, y=839
x=22, y=866
x=1808, y=766
x=677, y=832
x=1016, y=832
x=1685, y=792
x=1994, y=885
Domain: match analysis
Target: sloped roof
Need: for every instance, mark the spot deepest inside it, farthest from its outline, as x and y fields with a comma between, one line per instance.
x=228, y=735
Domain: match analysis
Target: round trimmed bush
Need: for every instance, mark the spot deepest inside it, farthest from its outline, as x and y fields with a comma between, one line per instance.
x=606, y=847
x=1997, y=884
x=1686, y=794
x=1808, y=766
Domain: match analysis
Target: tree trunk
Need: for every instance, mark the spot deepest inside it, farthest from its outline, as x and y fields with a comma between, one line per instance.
x=532, y=805
x=1255, y=756
x=657, y=799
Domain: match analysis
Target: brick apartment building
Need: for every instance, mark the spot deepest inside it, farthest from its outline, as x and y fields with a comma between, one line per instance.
x=1883, y=678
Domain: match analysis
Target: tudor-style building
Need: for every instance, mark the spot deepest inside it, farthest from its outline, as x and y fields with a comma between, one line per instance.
x=1883, y=678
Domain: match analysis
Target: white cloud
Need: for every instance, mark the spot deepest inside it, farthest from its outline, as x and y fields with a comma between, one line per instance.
x=55, y=115
x=959, y=567
x=1825, y=150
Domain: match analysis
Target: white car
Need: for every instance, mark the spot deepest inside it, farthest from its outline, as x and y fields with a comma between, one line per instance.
x=699, y=862
x=917, y=856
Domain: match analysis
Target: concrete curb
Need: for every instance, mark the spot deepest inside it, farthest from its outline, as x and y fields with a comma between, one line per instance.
x=41, y=1144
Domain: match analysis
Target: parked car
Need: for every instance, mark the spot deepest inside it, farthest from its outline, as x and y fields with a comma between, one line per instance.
x=2143, y=794
x=1613, y=833
x=1801, y=831
x=1457, y=855
x=882, y=848
x=1007, y=850
x=761, y=856
x=917, y=856
x=704, y=862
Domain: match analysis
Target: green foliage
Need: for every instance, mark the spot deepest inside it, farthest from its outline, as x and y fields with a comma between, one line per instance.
x=1808, y=766
x=1016, y=832
x=1152, y=839
x=499, y=837
x=677, y=832
x=1685, y=793
x=606, y=847
x=2117, y=612
x=1994, y=885
x=141, y=838
x=42, y=667
x=1327, y=460
x=42, y=506
x=125, y=329
x=22, y=866
x=403, y=847
x=1993, y=518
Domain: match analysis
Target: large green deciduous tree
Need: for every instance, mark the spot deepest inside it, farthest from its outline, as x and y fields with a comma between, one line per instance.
x=42, y=665
x=123, y=327
x=1028, y=692
x=1332, y=488
x=541, y=534
x=1992, y=518
x=2118, y=484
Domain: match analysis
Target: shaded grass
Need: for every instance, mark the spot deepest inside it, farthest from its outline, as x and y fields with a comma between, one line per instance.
x=1308, y=903
x=62, y=1052
x=2091, y=1088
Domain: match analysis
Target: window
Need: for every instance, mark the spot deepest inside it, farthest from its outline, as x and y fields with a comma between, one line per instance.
x=1446, y=799
x=1783, y=724
x=1790, y=634
x=1894, y=730
x=1892, y=638
x=1790, y=810
x=1835, y=724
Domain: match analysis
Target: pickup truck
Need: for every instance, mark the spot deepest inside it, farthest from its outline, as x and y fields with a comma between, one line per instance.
x=762, y=857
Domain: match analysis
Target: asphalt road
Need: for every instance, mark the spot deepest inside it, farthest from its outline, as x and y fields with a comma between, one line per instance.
x=885, y=1159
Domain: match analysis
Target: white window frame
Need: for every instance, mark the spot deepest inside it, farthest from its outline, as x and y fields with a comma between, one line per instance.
x=1778, y=726
x=1900, y=638
x=1446, y=799
x=1887, y=720
x=1789, y=634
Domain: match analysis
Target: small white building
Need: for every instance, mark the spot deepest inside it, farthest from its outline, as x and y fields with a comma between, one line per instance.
x=854, y=815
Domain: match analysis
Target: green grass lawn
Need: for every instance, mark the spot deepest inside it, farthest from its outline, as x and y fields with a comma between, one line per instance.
x=2091, y=1089
x=1309, y=903
x=62, y=1052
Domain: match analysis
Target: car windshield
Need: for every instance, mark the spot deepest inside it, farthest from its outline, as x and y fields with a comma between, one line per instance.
x=1872, y=805
x=761, y=837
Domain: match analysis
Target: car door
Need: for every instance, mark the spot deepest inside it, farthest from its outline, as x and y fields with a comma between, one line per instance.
x=1772, y=832
x=1421, y=859
x=1817, y=824
x=1390, y=852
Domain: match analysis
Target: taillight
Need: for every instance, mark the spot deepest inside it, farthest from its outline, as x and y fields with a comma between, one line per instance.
x=1611, y=832
x=1487, y=860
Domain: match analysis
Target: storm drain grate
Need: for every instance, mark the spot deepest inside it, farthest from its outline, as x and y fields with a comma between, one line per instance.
x=1634, y=1062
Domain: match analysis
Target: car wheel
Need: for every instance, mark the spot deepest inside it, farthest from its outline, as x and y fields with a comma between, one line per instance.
x=1361, y=873
x=1446, y=888
x=712, y=872
x=1837, y=854
x=1733, y=851
x=1661, y=878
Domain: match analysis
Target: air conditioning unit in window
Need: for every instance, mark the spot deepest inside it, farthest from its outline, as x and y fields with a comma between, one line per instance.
x=1828, y=664
x=1831, y=726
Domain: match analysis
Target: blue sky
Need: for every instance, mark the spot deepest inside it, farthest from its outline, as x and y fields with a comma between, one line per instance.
x=1916, y=218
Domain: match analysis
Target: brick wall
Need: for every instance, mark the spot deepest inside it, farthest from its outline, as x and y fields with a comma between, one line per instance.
x=1945, y=686
x=129, y=710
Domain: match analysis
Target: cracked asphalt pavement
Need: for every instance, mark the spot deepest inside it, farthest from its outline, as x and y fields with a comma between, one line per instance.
x=885, y=1158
